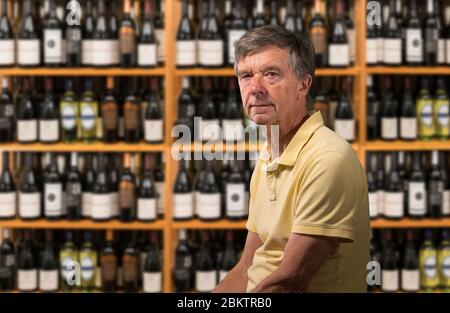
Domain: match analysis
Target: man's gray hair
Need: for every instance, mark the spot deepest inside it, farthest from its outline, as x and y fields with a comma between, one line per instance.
x=300, y=48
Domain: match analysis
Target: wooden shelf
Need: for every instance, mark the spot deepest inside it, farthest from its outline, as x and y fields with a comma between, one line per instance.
x=82, y=147
x=380, y=145
x=410, y=223
x=409, y=70
x=88, y=71
x=197, y=224
x=230, y=72
x=82, y=224
x=217, y=147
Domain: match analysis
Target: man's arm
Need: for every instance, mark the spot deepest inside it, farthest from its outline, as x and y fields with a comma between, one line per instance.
x=302, y=258
x=236, y=280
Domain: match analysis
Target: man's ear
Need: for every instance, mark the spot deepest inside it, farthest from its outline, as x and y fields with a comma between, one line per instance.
x=303, y=86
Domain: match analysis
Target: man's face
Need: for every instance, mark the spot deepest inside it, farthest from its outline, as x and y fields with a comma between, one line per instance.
x=271, y=92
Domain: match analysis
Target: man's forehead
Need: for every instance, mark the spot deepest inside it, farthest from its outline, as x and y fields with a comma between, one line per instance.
x=267, y=57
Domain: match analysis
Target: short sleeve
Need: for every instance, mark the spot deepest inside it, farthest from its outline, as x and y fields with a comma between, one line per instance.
x=328, y=196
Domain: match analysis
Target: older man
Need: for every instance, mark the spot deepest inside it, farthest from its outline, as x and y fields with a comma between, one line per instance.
x=308, y=225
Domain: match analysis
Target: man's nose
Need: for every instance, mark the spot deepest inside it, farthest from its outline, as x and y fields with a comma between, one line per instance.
x=257, y=86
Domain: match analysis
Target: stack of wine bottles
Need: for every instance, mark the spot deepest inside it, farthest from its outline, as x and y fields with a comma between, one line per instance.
x=47, y=114
x=412, y=260
x=57, y=36
x=208, y=41
x=208, y=191
x=204, y=258
x=396, y=111
x=52, y=261
x=408, y=184
x=53, y=187
x=412, y=33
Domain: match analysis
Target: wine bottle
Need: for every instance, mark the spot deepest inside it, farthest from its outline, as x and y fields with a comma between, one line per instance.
x=435, y=187
x=53, y=36
x=130, y=261
x=431, y=32
x=88, y=112
x=338, y=48
x=160, y=32
x=210, y=127
x=27, y=269
x=102, y=40
x=185, y=40
x=380, y=179
x=373, y=110
x=127, y=38
x=73, y=35
x=183, y=208
x=153, y=123
x=113, y=166
x=274, y=18
x=152, y=276
x=344, y=123
x=114, y=31
x=447, y=44
x=232, y=122
x=318, y=34
x=236, y=31
x=229, y=258
x=211, y=44
x=7, y=262
x=7, y=191
x=389, y=118
x=49, y=116
x=414, y=37
x=392, y=39
x=259, y=18
x=53, y=190
x=249, y=14
x=443, y=260
x=131, y=118
x=205, y=273
x=389, y=267
x=147, y=49
x=182, y=264
x=321, y=103
x=424, y=107
x=410, y=274
x=88, y=35
x=48, y=269
x=28, y=39
x=209, y=207
x=394, y=192
x=7, y=51
x=69, y=113
x=417, y=194
x=372, y=189
x=87, y=187
x=289, y=21
x=73, y=190
x=110, y=114
x=146, y=202
x=159, y=185
x=127, y=192
x=27, y=128
x=186, y=106
x=429, y=278
x=6, y=113
x=88, y=262
x=350, y=31
x=101, y=199
x=408, y=118
x=441, y=110
x=235, y=207
x=68, y=258
x=108, y=264
x=29, y=199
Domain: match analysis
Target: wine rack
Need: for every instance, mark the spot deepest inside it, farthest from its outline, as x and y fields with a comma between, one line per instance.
x=172, y=87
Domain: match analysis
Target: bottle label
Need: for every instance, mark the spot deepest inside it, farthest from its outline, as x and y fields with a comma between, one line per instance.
x=345, y=128
x=87, y=268
x=152, y=282
x=73, y=38
x=48, y=130
x=445, y=267
x=159, y=186
x=101, y=206
x=381, y=201
x=389, y=280
x=114, y=51
x=447, y=49
x=6, y=116
x=29, y=52
x=73, y=191
x=373, y=204
x=110, y=116
x=186, y=53
x=339, y=55
x=69, y=116
x=48, y=280
x=393, y=204
x=442, y=116
x=446, y=203
x=205, y=281
x=86, y=208
x=7, y=52
x=88, y=116
x=53, y=46
x=101, y=54
x=408, y=128
x=380, y=49
x=371, y=51
x=146, y=54
x=27, y=130
x=210, y=130
x=29, y=205
x=351, y=44
x=209, y=206
x=235, y=206
x=53, y=199
x=146, y=209
x=222, y=275
x=153, y=130
x=430, y=266
x=183, y=205
x=86, y=46
x=114, y=199
x=233, y=36
x=441, y=51
x=389, y=128
x=417, y=198
x=7, y=204
x=63, y=51
x=426, y=126
x=233, y=130
x=414, y=45
x=211, y=52
x=319, y=39
x=392, y=51
x=27, y=280
x=127, y=197
x=436, y=188
x=410, y=280
x=161, y=44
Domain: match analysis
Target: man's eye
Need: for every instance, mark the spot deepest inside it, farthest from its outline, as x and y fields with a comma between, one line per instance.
x=271, y=74
x=245, y=76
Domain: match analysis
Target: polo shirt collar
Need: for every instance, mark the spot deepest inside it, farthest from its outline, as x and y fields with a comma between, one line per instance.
x=296, y=144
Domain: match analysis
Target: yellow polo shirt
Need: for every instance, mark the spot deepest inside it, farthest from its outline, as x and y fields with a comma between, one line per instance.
x=316, y=187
